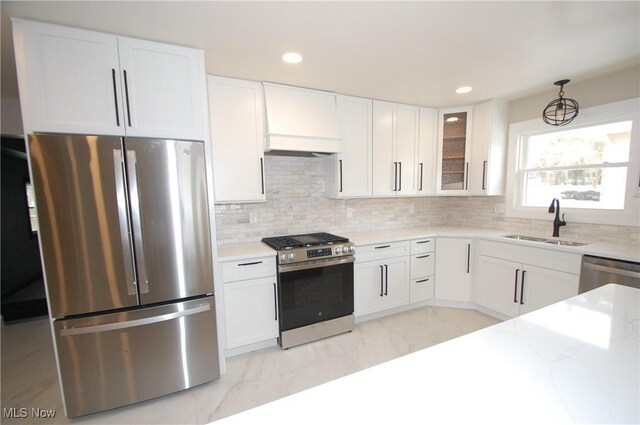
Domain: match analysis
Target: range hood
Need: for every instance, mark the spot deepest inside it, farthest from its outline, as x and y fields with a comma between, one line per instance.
x=301, y=120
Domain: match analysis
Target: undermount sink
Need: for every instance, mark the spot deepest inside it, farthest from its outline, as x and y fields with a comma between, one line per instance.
x=526, y=238
x=549, y=241
x=566, y=243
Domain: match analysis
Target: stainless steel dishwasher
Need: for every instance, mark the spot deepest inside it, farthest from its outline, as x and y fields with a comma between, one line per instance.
x=599, y=271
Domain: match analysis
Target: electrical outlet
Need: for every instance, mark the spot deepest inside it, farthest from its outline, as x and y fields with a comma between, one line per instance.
x=253, y=217
x=412, y=208
x=498, y=208
x=349, y=212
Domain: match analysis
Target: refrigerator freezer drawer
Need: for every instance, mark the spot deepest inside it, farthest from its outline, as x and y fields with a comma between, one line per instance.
x=117, y=359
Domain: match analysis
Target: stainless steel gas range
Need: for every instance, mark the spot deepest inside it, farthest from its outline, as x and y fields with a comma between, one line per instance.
x=315, y=286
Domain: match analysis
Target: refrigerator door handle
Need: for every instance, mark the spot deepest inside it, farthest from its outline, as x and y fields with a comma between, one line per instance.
x=143, y=283
x=133, y=323
x=123, y=218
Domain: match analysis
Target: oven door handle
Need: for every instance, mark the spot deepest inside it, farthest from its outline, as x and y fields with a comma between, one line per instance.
x=284, y=268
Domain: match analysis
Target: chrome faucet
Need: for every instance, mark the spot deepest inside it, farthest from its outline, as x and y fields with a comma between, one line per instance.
x=557, y=223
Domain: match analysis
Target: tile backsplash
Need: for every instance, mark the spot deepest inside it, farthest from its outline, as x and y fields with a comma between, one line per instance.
x=296, y=203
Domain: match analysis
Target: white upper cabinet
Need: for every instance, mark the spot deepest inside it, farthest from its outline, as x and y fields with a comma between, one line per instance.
x=73, y=81
x=454, y=134
x=395, y=137
x=237, y=138
x=69, y=79
x=427, y=152
x=301, y=119
x=163, y=88
x=489, y=148
x=349, y=172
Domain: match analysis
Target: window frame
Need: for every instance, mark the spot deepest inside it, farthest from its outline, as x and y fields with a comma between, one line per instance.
x=626, y=110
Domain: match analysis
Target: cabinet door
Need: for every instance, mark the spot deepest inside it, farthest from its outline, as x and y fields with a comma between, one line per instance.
x=407, y=119
x=384, y=162
x=368, y=287
x=488, y=148
x=497, y=285
x=396, y=289
x=543, y=287
x=164, y=88
x=355, y=160
x=237, y=130
x=453, y=269
x=453, y=151
x=250, y=311
x=69, y=79
x=427, y=152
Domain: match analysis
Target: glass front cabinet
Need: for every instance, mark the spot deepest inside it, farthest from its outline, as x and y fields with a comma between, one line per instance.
x=454, y=130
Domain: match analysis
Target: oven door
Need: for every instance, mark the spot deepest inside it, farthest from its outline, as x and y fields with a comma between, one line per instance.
x=315, y=291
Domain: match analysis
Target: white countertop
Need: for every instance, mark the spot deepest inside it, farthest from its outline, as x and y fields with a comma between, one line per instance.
x=620, y=251
x=242, y=251
x=576, y=361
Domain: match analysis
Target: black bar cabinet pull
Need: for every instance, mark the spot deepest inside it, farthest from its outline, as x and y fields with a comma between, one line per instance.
x=468, y=256
x=423, y=256
x=395, y=176
x=515, y=287
x=262, y=174
x=340, y=161
x=250, y=264
x=400, y=177
x=428, y=240
x=466, y=176
x=275, y=301
x=484, y=175
x=422, y=280
x=522, y=288
x=381, y=279
x=126, y=94
x=386, y=279
x=382, y=247
x=421, y=168
x=115, y=95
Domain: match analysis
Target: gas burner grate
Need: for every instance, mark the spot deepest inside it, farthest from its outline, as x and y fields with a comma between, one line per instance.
x=298, y=241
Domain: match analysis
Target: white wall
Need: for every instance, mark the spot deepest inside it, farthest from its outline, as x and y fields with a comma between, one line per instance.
x=10, y=117
x=599, y=91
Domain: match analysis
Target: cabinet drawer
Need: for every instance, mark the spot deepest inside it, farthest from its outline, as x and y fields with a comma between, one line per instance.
x=420, y=246
x=422, y=265
x=249, y=268
x=422, y=289
x=381, y=251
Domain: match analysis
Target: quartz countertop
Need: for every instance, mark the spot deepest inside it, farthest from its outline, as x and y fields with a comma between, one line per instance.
x=243, y=251
x=576, y=361
x=628, y=252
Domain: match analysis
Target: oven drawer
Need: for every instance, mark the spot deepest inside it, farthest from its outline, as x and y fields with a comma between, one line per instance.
x=381, y=251
x=250, y=268
x=422, y=265
x=420, y=246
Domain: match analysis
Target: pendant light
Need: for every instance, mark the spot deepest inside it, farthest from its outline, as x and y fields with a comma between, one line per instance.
x=560, y=111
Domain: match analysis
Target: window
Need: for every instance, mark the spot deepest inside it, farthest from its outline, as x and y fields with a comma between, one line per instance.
x=591, y=166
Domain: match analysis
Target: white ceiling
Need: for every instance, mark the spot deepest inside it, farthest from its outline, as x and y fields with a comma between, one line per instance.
x=412, y=52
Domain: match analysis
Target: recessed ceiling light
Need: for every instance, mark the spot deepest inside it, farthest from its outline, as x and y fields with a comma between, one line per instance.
x=453, y=119
x=292, y=57
x=462, y=90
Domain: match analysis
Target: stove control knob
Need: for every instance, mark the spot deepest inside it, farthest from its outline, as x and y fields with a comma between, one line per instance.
x=340, y=249
x=283, y=258
x=291, y=256
x=352, y=249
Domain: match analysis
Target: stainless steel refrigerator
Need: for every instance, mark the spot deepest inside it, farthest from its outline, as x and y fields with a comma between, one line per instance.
x=124, y=229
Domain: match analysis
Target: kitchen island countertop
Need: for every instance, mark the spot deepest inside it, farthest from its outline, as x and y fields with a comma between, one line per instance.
x=576, y=361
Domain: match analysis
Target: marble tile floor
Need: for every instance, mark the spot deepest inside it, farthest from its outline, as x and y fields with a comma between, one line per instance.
x=29, y=376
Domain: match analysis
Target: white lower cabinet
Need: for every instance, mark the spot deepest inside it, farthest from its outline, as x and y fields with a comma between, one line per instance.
x=422, y=284
x=453, y=269
x=381, y=285
x=516, y=287
x=250, y=301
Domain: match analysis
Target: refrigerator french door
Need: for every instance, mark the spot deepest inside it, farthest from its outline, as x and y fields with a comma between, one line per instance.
x=124, y=231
